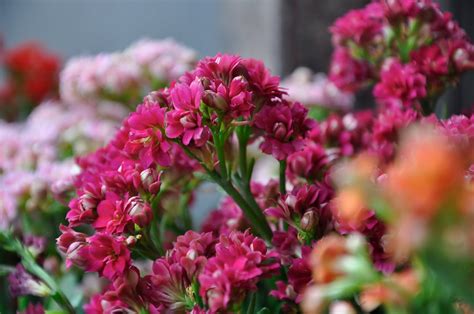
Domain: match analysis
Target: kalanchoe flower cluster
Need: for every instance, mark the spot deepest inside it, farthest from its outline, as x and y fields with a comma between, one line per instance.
x=241, y=260
x=125, y=76
x=411, y=49
x=366, y=236
x=316, y=90
x=36, y=157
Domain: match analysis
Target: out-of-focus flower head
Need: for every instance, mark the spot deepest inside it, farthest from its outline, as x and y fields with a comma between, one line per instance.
x=125, y=76
x=316, y=90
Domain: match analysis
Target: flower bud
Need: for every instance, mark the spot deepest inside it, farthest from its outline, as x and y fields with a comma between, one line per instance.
x=150, y=179
x=309, y=221
x=22, y=283
x=280, y=131
x=216, y=101
x=139, y=211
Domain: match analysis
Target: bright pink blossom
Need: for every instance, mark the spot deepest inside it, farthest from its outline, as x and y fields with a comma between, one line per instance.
x=241, y=261
x=106, y=255
x=185, y=120
x=284, y=127
x=359, y=26
x=306, y=207
x=70, y=243
x=146, y=137
x=401, y=85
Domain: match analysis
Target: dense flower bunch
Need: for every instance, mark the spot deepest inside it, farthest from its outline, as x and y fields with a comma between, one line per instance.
x=31, y=77
x=125, y=76
x=410, y=50
x=316, y=90
x=371, y=211
x=37, y=158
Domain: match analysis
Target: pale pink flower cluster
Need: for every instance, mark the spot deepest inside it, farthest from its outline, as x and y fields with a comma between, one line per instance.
x=37, y=156
x=316, y=90
x=125, y=76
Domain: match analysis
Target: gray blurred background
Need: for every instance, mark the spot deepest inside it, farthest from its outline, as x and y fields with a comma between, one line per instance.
x=284, y=33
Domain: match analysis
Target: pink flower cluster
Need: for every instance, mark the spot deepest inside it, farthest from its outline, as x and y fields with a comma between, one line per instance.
x=134, y=194
x=37, y=156
x=125, y=76
x=411, y=49
x=316, y=90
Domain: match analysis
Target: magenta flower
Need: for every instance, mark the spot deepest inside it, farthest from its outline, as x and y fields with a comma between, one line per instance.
x=33, y=308
x=348, y=134
x=146, y=135
x=106, y=255
x=166, y=286
x=386, y=128
x=264, y=86
x=70, y=243
x=309, y=163
x=299, y=276
x=431, y=60
x=234, y=100
x=105, y=304
x=185, y=120
x=241, y=261
x=228, y=217
x=401, y=85
x=150, y=180
x=112, y=215
x=82, y=209
x=192, y=250
x=361, y=26
x=221, y=67
x=287, y=245
x=306, y=208
x=347, y=73
x=284, y=127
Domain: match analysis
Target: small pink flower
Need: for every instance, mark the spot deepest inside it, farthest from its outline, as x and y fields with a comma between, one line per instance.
x=264, y=86
x=234, y=99
x=347, y=73
x=361, y=26
x=386, y=128
x=299, y=277
x=309, y=163
x=401, y=85
x=145, y=135
x=185, y=120
x=192, y=250
x=228, y=217
x=107, y=255
x=284, y=127
x=305, y=199
x=105, y=304
x=33, y=309
x=166, y=286
x=112, y=215
x=241, y=261
x=70, y=243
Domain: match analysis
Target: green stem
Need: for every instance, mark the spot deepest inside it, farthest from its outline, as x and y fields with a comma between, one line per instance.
x=283, y=177
x=219, y=144
x=255, y=216
x=12, y=244
x=252, y=212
